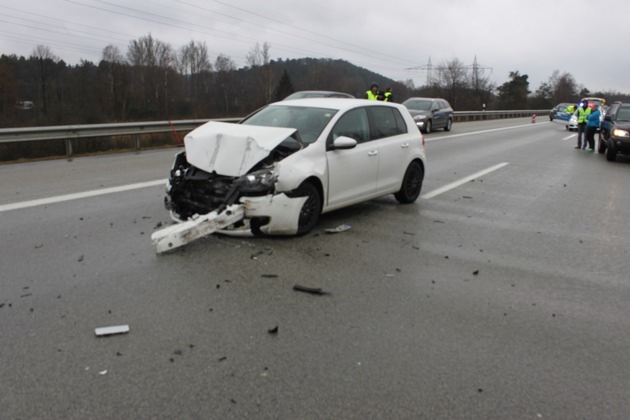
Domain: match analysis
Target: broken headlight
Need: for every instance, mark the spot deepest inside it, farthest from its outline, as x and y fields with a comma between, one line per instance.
x=260, y=181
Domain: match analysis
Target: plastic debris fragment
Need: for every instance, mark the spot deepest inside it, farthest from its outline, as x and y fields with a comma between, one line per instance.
x=115, y=329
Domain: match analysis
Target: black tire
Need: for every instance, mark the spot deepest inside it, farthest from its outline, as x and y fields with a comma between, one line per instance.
x=601, y=144
x=428, y=126
x=411, y=184
x=611, y=153
x=312, y=208
x=449, y=124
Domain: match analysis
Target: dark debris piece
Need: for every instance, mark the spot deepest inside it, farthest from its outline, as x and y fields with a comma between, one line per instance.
x=269, y=276
x=273, y=330
x=311, y=290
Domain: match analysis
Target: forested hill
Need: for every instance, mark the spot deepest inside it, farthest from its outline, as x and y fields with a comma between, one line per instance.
x=37, y=92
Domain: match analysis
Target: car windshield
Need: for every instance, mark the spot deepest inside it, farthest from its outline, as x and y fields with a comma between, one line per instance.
x=309, y=121
x=418, y=104
x=623, y=114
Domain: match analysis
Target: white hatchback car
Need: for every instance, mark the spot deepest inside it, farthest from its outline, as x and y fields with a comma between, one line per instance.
x=291, y=161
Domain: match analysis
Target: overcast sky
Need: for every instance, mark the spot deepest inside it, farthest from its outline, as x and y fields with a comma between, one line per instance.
x=396, y=38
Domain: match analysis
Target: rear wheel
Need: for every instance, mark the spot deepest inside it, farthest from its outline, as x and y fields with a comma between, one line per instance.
x=449, y=124
x=311, y=209
x=411, y=184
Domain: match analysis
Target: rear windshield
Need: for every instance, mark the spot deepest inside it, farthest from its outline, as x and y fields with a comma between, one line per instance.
x=418, y=104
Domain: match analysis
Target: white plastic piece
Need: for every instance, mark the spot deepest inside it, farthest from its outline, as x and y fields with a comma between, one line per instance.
x=340, y=228
x=115, y=329
x=178, y=235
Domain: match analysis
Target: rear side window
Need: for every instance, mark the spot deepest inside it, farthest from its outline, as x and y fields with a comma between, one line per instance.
x=387, y=122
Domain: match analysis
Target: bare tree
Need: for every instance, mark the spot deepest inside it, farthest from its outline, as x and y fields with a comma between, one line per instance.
x=114, y=64
x=153, y=60
x=194, y=63
x=45, y=65
x=225, y=68
x=452, y=79
x=258, y=58
x=563, y=86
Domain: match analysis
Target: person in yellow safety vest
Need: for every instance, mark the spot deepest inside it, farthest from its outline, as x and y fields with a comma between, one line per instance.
x=570, y=109
x=373, y=94
x=582, y=117
x=388, y=96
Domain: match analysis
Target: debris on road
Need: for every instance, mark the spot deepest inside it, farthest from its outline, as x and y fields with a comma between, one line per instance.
x=273, y=330
x=115, y=329
x=338, y=229
x=175, y=236
x=311, y=290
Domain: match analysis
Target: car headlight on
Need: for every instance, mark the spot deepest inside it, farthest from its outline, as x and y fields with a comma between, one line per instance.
x=258, y=181
x=621, y=133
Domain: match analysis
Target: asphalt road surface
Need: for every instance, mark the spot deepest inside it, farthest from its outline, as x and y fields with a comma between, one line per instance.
x=501, y=294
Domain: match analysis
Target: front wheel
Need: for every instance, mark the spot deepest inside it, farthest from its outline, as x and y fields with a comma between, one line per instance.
x=611, y=153
x=428, y=126
x=449, y=124
x=311, y=209
x=411, y=184
x=601, y=144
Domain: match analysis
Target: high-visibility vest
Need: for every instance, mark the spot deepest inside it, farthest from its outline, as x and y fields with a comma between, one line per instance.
x=583, y=114
x=371, y=96
x=387, y=96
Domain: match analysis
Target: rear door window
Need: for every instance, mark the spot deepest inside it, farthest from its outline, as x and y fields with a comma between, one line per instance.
x=387, y=122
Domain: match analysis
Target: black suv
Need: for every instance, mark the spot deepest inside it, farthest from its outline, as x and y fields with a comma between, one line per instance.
x=614, y=137
x=430, y=113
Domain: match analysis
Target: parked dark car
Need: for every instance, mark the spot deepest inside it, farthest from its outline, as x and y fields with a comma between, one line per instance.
x=430, y=113
x=614, y=136
x=317, y=94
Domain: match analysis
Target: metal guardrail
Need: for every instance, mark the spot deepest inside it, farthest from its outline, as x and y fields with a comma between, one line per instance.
x=69, y=133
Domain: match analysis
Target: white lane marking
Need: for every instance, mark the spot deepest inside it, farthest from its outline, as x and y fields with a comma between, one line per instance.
x=569, y=137
x=462, y=181
x=76, y=196
x=480, y=132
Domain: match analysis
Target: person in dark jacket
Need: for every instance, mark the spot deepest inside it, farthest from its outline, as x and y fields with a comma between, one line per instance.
x=388, y=96
x=591, y=127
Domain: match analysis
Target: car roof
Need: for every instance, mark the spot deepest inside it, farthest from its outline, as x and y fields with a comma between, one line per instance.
x=426, y=98
x=322, y=93
x=334, y=103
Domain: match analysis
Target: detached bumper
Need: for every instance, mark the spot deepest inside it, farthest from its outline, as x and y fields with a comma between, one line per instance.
x=280, y=212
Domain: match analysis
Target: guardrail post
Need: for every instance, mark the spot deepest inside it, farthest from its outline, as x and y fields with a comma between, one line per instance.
x=136, y=139
x=69, y=149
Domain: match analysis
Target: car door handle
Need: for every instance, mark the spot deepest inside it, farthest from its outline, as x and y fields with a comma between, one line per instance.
x=373, y=153
x=405, y=145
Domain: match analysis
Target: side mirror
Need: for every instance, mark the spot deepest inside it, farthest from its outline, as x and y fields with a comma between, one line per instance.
x=343, y=142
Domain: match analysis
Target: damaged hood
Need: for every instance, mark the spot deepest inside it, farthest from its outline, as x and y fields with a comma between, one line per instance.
x=231, y=149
